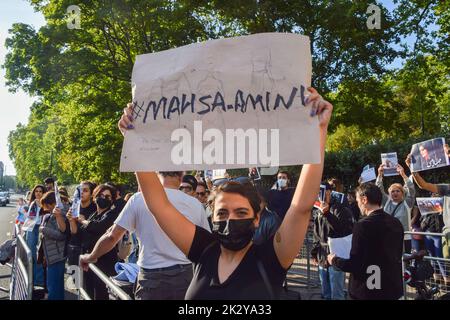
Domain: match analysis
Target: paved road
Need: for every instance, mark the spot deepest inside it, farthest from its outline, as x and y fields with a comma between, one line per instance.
x=7, y=218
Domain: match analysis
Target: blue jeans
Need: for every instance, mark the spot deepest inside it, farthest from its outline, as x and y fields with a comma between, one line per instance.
x=434, y=248
x=31, y=238
x=332, y=283
x=55, y=280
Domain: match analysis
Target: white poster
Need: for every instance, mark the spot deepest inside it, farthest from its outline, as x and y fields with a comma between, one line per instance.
x=59, y=203
x=390, y=162
x=219, y=174
x=368, y=175
x=429, y=155
x=341, y=247
x=430, y=205
x=228, y=103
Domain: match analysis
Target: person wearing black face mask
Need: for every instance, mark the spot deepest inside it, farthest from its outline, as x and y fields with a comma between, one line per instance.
x=92, y=229
x=222, y=271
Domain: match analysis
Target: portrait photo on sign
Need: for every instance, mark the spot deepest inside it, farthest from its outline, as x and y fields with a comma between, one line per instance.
x=390, y=162
x=428, y=155
x=254, y=174
x=337, y=197
x=430, y=205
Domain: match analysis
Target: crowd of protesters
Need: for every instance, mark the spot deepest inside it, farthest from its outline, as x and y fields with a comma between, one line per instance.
x=186, y=236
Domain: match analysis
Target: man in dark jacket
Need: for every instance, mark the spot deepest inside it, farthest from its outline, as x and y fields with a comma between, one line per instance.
x=333, y=220
x=375, y=261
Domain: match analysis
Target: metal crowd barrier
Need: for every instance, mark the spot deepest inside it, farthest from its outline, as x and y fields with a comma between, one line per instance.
x=114, y=289
x=441, y=271
x=303, y=272
x=21, y=287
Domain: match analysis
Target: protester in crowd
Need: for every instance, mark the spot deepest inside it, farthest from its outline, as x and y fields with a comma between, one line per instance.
x=119, y=203
x=31, y=228
x=400, y=200
x=333, y=220
x=442, y=189
x=269, y=223
x=280, y=198
x=417, y=242
x=189, y=185
x=200, y=193
x=49, y=184
x=165, y=272
x=353, y=206
x=376, y=252
x=91, y=230
x=434, y=223
x=53, y=236
x=227, y=264
x=87, y=209
x=336, y=185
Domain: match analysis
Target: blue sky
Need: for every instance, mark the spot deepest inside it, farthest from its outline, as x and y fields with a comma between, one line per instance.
x=15, y=107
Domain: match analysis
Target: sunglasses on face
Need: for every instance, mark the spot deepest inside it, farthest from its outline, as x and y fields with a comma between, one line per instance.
x=201, y=194
x=189, y=189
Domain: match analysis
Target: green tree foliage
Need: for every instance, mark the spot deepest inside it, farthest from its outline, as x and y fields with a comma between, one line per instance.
x=82, y=76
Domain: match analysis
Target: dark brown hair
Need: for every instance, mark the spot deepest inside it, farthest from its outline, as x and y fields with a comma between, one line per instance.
x=245, y=190
x=48, y=198
x=100, y=188
x=33, y=197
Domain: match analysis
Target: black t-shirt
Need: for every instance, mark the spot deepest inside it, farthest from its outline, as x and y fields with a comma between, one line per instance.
x=75, y=239
x=245, y=282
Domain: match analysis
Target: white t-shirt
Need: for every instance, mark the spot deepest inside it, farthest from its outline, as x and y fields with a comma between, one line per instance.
x=156, y=250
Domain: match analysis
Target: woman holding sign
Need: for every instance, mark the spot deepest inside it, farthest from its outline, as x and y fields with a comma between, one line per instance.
x=227, y=263
x=31, y=229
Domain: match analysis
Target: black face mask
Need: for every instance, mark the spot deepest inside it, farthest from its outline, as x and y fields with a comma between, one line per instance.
x=103, y=203
x=234, y=234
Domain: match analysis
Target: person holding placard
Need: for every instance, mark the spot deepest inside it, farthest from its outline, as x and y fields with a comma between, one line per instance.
x=434, y=222
x=333, y=221
x=86, y=209
x=31, y=228
x=400, y=200
x=54, y=236
x=227, y=264
x=375, y=261
x=442, y=189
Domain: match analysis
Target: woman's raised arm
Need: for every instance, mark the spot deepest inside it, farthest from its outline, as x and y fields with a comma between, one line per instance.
x=289, y=237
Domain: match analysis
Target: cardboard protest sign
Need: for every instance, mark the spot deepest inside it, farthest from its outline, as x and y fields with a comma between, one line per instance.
x=428, y=155
x=430, y=205
x=227, y=103
x=390, y=162
x=368, y=175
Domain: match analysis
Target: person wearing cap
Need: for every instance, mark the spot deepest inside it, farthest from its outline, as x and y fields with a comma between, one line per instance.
x=189, y=185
